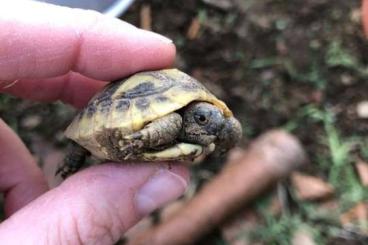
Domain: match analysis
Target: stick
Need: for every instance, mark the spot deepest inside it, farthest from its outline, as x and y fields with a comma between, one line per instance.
x=270, y=157
x=145, y=16
x=193, y=29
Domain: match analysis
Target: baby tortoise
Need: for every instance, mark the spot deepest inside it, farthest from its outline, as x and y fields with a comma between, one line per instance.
x=160, y=115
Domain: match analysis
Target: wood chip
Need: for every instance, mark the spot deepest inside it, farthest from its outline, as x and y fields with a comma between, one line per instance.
x=362, y=169
x=310, y=187
x=358, y=213
x=145, y=15
x=193, y=29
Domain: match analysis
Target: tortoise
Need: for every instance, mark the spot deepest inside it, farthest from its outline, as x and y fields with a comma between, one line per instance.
x=163, y=115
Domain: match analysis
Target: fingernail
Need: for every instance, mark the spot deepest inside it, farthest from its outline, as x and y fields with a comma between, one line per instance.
x=161, y=188
x=159, y=36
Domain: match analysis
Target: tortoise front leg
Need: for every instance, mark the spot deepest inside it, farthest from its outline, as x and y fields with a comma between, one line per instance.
x=73, y=161
x=160, y=132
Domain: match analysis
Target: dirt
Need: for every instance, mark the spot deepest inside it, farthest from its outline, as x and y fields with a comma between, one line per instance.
x=271, y=61
x=259, y=56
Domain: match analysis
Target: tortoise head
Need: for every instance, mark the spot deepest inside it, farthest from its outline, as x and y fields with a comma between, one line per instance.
x=204, y=123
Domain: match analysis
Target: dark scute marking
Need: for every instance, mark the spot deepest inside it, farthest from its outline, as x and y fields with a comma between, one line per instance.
x=192, y=85
x=141, y=89
x=161, y=98
x=102, y=100
x=142, y=103
x=160, y=76
x=123, y=105
x=90, y=110
x=107, y=92
x=81, y=114
x=146, y=88
x=105, y=105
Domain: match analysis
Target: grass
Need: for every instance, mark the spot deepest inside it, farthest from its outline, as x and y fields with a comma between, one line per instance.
x=341, y=172
x=276, y=230
x=313, y=76
x=336, y=164
x=339, y=56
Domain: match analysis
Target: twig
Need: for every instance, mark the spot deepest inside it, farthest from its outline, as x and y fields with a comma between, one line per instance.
x=193, y=29
x=146, y=19
x=269, y=158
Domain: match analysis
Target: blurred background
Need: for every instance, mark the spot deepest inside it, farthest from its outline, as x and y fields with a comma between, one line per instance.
x=300, y=65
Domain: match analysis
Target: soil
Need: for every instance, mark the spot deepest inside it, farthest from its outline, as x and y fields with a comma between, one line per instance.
x=268, y=59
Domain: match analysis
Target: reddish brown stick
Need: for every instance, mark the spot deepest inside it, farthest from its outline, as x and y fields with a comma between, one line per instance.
x=270, y=157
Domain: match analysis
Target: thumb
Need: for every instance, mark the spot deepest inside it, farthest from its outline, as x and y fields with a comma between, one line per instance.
x=95, y=206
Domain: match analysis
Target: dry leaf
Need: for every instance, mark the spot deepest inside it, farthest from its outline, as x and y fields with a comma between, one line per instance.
x=358, y=213
x=310, y=187
x=362, y=169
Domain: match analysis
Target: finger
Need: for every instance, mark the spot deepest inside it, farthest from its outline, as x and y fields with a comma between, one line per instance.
x=95, y=206
x=72, y=88
x=20, y=178
x=39, y=40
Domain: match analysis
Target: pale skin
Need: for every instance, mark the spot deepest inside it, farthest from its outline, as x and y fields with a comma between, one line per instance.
x=50, y=53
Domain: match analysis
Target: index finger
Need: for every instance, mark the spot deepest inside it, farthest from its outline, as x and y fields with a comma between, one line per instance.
x=39, y=40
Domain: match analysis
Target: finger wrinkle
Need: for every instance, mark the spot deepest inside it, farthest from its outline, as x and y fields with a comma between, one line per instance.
x=92, y=18
x=65, y=93
x=77, y=230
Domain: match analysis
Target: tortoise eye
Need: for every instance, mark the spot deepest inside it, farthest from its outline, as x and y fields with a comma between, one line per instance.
x=201, y=119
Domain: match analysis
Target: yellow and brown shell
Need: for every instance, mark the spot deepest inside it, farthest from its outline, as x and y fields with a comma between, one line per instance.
x=131, y=103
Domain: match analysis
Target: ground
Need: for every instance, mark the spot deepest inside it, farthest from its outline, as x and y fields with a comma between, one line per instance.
x=300, y=65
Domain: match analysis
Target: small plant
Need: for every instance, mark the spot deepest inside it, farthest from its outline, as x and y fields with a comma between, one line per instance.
x=276, y=230
x=337, y=55
x=338, y=162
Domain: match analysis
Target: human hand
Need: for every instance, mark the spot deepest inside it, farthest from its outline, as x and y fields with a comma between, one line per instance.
x=56, y=53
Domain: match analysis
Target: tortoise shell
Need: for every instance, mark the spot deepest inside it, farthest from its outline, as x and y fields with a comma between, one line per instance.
x=131, y=103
